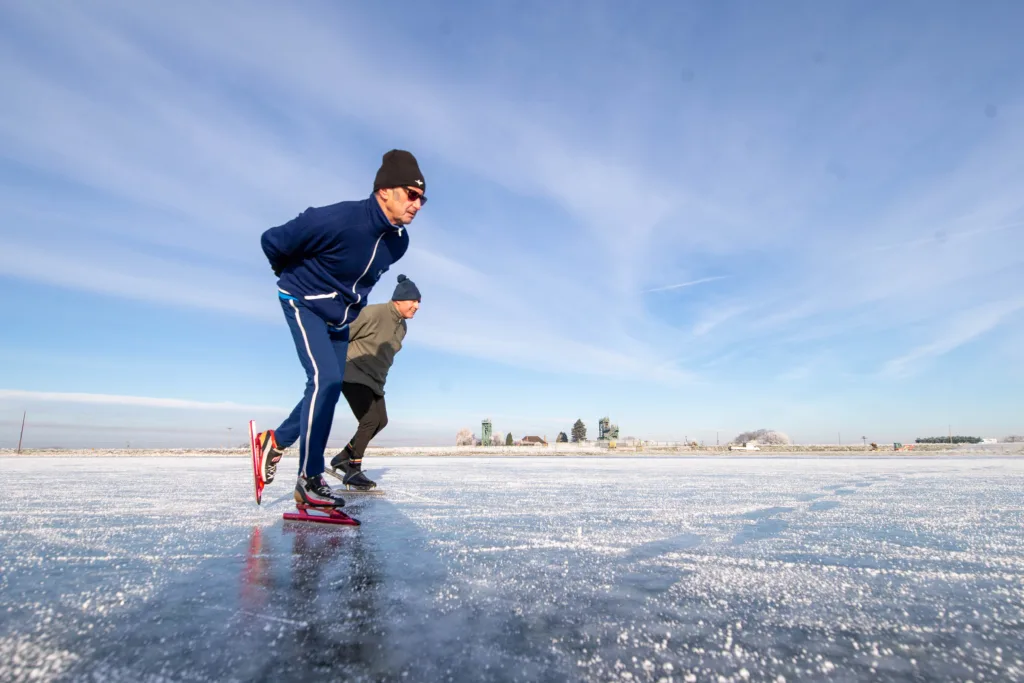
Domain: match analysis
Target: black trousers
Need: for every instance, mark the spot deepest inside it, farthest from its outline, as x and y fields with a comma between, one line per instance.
x=370, y=410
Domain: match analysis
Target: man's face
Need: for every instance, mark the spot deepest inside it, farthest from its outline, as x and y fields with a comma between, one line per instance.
x=403, y=203
x=407, y=309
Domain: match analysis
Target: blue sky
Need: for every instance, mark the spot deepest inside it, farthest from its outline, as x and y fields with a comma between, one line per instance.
x=692, y=217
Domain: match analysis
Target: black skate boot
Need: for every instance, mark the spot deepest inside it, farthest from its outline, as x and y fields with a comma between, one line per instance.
x=350, y=471
x=315, y=492
x=270, y=455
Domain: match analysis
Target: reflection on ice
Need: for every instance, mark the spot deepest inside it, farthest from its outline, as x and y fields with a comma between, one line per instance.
x=541, y=569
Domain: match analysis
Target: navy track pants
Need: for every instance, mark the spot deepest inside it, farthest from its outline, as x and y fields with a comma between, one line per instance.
x=322, y=350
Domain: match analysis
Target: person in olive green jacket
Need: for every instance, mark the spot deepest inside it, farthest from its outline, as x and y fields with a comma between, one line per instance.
x=374, y=339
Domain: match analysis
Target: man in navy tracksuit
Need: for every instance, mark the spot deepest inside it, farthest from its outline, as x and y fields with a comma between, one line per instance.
x=327, y=260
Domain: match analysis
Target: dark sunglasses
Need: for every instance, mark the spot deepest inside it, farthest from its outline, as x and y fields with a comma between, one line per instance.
x=413, y=195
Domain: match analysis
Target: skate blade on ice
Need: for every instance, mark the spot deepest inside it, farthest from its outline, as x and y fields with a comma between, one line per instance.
x=255, y=448
x=352, y=489
x=322, y=515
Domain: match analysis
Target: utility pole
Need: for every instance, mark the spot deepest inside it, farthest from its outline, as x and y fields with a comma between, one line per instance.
x=840, y=438
x=22, y=435
x=950, y=427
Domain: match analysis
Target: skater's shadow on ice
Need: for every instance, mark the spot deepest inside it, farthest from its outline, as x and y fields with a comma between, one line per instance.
x=286, y=601
x=377, y=474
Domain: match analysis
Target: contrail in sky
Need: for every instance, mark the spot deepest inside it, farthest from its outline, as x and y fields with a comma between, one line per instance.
x=687, y=284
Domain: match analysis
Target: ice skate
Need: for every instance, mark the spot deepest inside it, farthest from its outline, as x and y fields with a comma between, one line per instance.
x=314, y=492
x=351, y=473
x=315, y=501
x=269, y=455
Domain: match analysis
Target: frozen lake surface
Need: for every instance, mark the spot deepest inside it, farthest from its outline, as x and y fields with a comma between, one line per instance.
x=517, y=569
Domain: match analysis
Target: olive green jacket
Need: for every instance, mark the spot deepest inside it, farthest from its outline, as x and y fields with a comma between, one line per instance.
x=374, y=339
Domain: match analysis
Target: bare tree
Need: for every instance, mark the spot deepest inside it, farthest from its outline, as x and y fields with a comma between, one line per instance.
x=464, y=437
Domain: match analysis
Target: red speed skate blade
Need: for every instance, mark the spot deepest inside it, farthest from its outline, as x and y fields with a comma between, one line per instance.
x=255, y=447
x=322, y=515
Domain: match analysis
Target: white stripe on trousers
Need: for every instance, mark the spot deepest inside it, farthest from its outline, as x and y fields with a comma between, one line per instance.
x=316, y=387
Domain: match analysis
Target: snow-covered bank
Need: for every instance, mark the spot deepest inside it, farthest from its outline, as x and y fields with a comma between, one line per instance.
x=559, y=450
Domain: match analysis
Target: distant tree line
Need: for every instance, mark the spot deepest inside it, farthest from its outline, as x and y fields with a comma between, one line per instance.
x=949, y=439
x=466, y=437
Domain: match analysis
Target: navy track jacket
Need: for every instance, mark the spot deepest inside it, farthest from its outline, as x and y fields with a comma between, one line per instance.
x=329, y=258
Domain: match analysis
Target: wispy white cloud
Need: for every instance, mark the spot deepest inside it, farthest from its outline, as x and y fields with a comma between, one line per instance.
x=148, y=278
x=715, y=318
x=198, y=136
x=957, y=331
x=940, y=237
x=139, y=401
x=628, y=175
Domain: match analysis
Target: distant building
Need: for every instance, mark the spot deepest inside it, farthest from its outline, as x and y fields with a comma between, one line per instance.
x=990, y=440
x=533, y=441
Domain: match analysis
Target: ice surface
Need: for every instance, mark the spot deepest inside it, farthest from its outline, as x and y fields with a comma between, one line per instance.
x=517, y=569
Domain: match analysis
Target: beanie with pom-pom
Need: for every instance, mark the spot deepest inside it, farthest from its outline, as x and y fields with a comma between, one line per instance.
x=406, y=290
